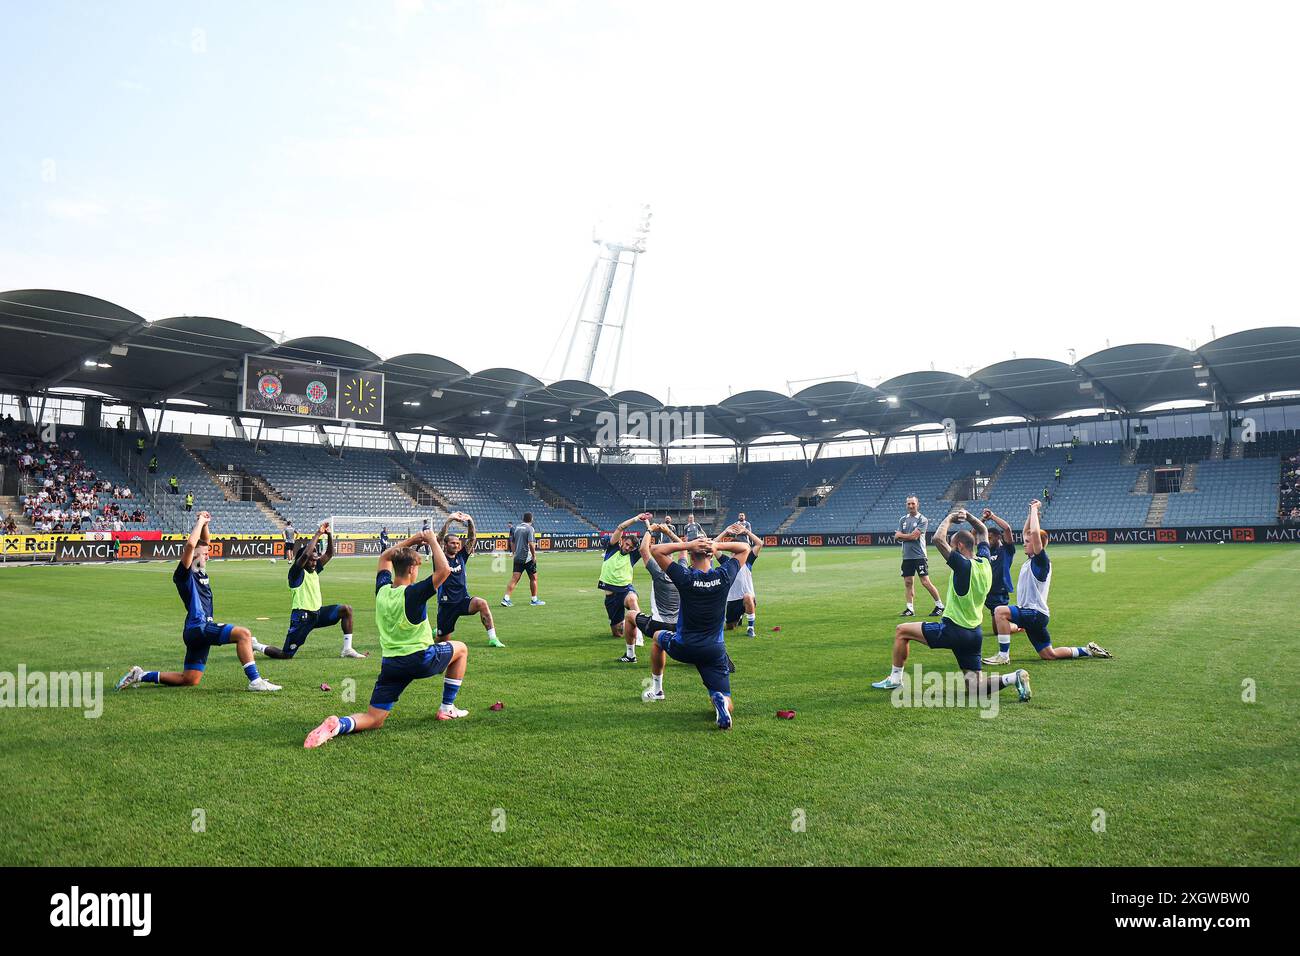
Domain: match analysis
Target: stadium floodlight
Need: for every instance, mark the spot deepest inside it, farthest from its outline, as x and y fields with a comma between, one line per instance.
x=829, y=421
x=412, y=404
x=621, y=238
x=891, y=401
x=90, y=363
x=551, y=421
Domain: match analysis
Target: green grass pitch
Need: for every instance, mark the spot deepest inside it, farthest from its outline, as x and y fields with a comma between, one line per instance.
x=577, y=770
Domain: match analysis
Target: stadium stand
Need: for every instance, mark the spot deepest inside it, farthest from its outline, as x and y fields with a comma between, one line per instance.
x=1175, y=451
x=589, y=491
x=1242, y=491
x=496, y=492
x=315, y=483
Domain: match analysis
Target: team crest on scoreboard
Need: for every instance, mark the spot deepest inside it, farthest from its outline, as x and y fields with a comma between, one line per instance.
x=270, y=387
x=317, y=392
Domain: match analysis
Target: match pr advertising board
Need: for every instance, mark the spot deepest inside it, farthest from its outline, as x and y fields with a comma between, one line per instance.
x=103, y=547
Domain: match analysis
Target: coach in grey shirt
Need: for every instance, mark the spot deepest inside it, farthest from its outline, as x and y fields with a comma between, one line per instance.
x=523, y=541
x=911, y=535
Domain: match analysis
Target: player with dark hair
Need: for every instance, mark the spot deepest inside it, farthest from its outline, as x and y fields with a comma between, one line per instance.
x=698, y=638
x=615, y=580
x=454, y=599
x=201, y=633
x=1002, y=552
x=307, y=612
x=960, y=630
x=665, y=603
x=406, y=639
x=523, y=542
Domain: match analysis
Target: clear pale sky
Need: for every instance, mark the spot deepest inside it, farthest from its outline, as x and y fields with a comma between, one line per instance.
x=838, y=188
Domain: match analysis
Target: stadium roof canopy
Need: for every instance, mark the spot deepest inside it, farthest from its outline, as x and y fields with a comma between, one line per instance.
x=51, y=339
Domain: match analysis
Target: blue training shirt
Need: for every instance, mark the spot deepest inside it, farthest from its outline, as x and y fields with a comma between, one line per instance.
x=417, y=595
x=455, y=589
x=1001, y=561
x=196, y=593
x=704, y=600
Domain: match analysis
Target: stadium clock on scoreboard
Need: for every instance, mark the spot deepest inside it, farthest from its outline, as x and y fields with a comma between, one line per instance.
x=303, y=390
x=361, y=396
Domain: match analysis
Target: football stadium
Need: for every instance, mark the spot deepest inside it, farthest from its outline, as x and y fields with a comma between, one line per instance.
x=670, y=596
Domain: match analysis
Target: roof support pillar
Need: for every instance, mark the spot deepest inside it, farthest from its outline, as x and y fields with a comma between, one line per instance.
x=514, y=450
x=459, y=445
x=240, y=432
x=394, y=442
x=139, y=422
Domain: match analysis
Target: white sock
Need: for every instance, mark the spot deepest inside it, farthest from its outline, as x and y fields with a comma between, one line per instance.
x=347, y=642
x=1009, y=679
x=631, y=650
x=1074, y=652
x=492, y=633
x=657, y=683
x=938, y=604
x=896, y=671
x=751, y=619
x=909, y=606
x=258, y=646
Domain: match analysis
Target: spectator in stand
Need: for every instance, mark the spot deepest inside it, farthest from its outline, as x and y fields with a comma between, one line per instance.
x=121, y=424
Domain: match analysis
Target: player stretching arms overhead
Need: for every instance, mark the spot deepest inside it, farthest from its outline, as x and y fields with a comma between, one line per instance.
x=523, y=541
x=740, y=597
x=960, y=630
x=454, y=601
x=201, y=632
x=406, y=639
x=1002, y=551
x=615, y=579
x=1030, y=611
x=911, y=534
x=698, y=638
x=306, y=612
x=665, y=602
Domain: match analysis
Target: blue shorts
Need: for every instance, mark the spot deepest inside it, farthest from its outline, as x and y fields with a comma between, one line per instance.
x=200, y=638
x=997, y=599
x=1034, y=624
x=614, y=600
x=449, y=613
x=709, y=659
x=302, y=623
x=964, y=642
x=396, y=672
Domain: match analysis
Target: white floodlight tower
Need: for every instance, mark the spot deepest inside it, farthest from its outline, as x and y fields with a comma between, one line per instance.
x=619, y=249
